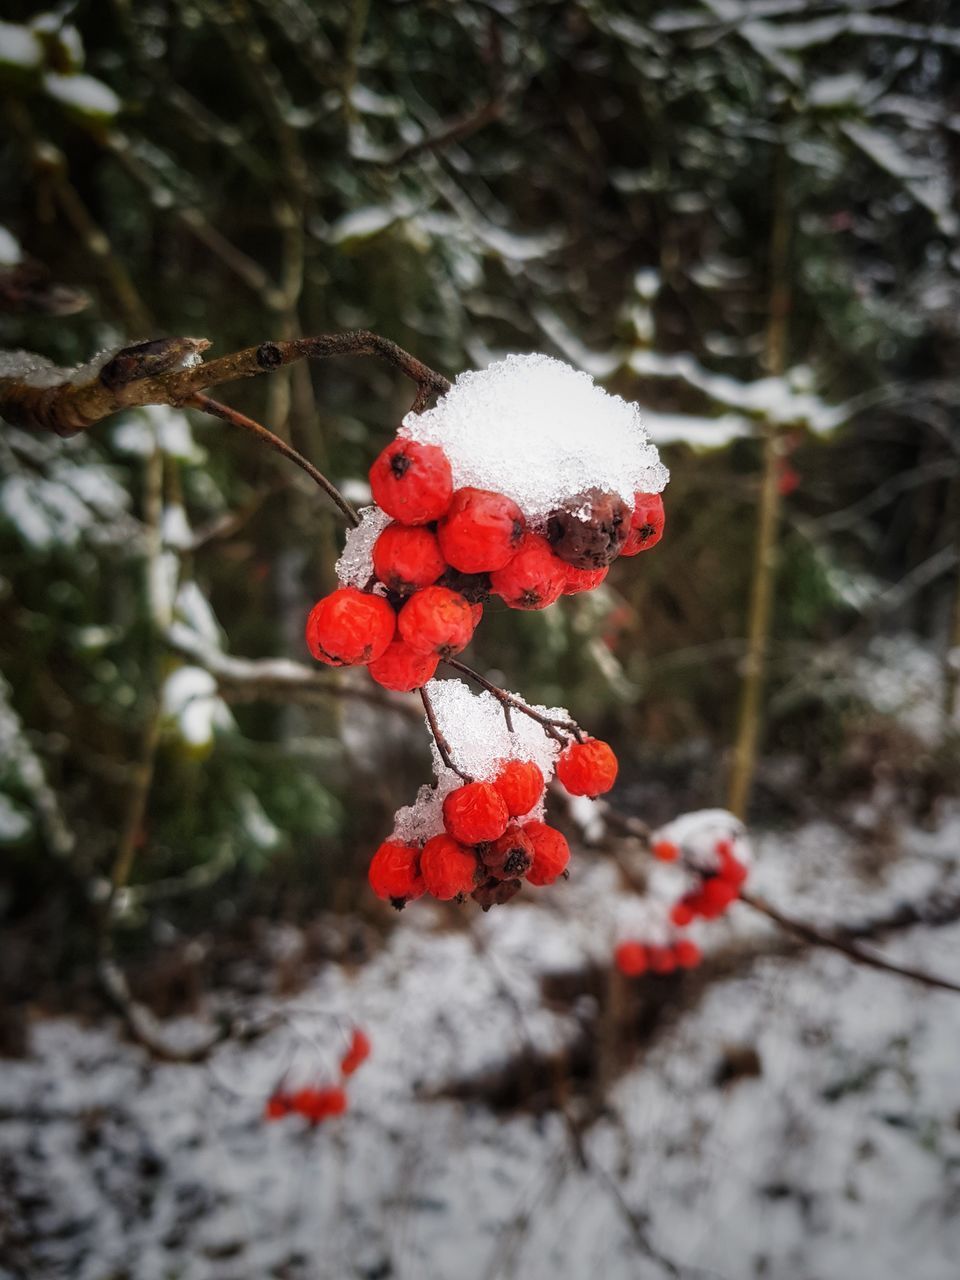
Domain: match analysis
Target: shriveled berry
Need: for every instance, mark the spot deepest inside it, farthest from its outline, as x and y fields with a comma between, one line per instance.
x=646, y=524
x=583, y=579
x=475, y=813
x=480, y=530
x=349, y=627
x=448, y=868
x=534, y=578
x=587, y=768
x=357, y=1052
x=520, y=784
x=412, y=482
x=474, y=587
x=631, y=959
x=589, y=530
x=394, y=873
x=510, y=856
x=551, y=853
x=401, y=668
x=406, y=558
x=436, y=620
x=493, y=892
x=665, y=850
x=686, y=953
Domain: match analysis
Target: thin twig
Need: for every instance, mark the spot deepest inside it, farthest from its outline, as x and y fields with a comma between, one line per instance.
x=550, y=724
x=238, y=419
x=443, y=746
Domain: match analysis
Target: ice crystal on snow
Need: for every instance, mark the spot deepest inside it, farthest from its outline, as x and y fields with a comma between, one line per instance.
x=541, y=432
x=355, y=566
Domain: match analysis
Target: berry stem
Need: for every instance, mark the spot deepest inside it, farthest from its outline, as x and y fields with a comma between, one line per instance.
x=237, y=419
x=443, y=746
x=507, y=700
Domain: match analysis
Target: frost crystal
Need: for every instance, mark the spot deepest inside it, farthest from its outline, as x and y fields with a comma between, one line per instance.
x=476, y=732
x=355, y=566
x=540, y=432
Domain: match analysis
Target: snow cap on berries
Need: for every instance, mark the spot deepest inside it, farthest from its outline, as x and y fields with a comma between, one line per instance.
x=540, y=432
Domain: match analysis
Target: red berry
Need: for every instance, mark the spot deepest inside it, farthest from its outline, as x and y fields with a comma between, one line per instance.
x=587, y=768
x=357, y=1053
x=665, y=850
x=350, y=626
x=278, y=1105
x=318, y=1104
x=646, y=524
x=412, y=482
x=662, y=959
x=583, y=579
x=520, y=784
x=717, y=895
x=448, y=868
x=534, y=578
x=475, y=813
x=686, y=953
x=682, y=913
x=480, y=531
x=393, y=873
x=510, y=856
x=401, y=668
x=436, y=620
x=406, y=558
x=551, y=853
x=631, y=959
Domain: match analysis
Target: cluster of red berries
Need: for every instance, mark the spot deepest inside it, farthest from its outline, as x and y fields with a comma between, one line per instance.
x=717, y=888
x=447, y=551
x=489, y=845
x=317, y=1103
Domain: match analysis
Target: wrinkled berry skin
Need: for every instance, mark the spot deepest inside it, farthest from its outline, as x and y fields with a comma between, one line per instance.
x=350, y=627
x=437, y=620
x=394, y=873
x=475, y=813
x=402, y=669
x=631, y=959
x=646, y=524
x=474, y=587
x=510, y=856
x=494, y=893
x=587, y=768
x=534, y=578
x=448, y=868
x=551, y=853
x=480, y=530
x=407, y=558
x=412, y=482
x=583, y=579
x=589, y=531
x=520, y=784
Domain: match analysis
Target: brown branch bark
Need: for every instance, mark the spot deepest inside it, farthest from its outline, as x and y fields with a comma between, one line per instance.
x=68, y=407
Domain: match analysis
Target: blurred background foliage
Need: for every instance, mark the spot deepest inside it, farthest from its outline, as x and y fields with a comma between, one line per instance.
x=592, y=178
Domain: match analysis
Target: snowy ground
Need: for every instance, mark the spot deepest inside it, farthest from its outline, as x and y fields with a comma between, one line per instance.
x=841, y=1159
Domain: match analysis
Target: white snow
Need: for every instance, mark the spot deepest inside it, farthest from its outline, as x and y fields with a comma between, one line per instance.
x=19, y=47
x=355, y=566
x=82, y=93
x=10, y=251
x=189, y=698
x=540, y=432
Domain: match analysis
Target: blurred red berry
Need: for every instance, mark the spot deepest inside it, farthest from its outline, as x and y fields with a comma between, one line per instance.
x=412, y=482
x=349, y=627
x=357, y=1053
x=662, y=959
x=717, y=894
x=686, y=953
x=448, y=868
x=278, y=1106
x=587, y=768
x=631, y=959
x=436, y=620
x=682, y=913
x=551, y=853
x=480, y=531
x=665, y=850
x=646, y=524
x=475, y=813
x=406, y=558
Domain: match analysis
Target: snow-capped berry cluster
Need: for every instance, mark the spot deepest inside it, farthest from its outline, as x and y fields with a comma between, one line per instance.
x=708, y=857
x=524, y=482
x=318, y=1102
x=479, y=831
